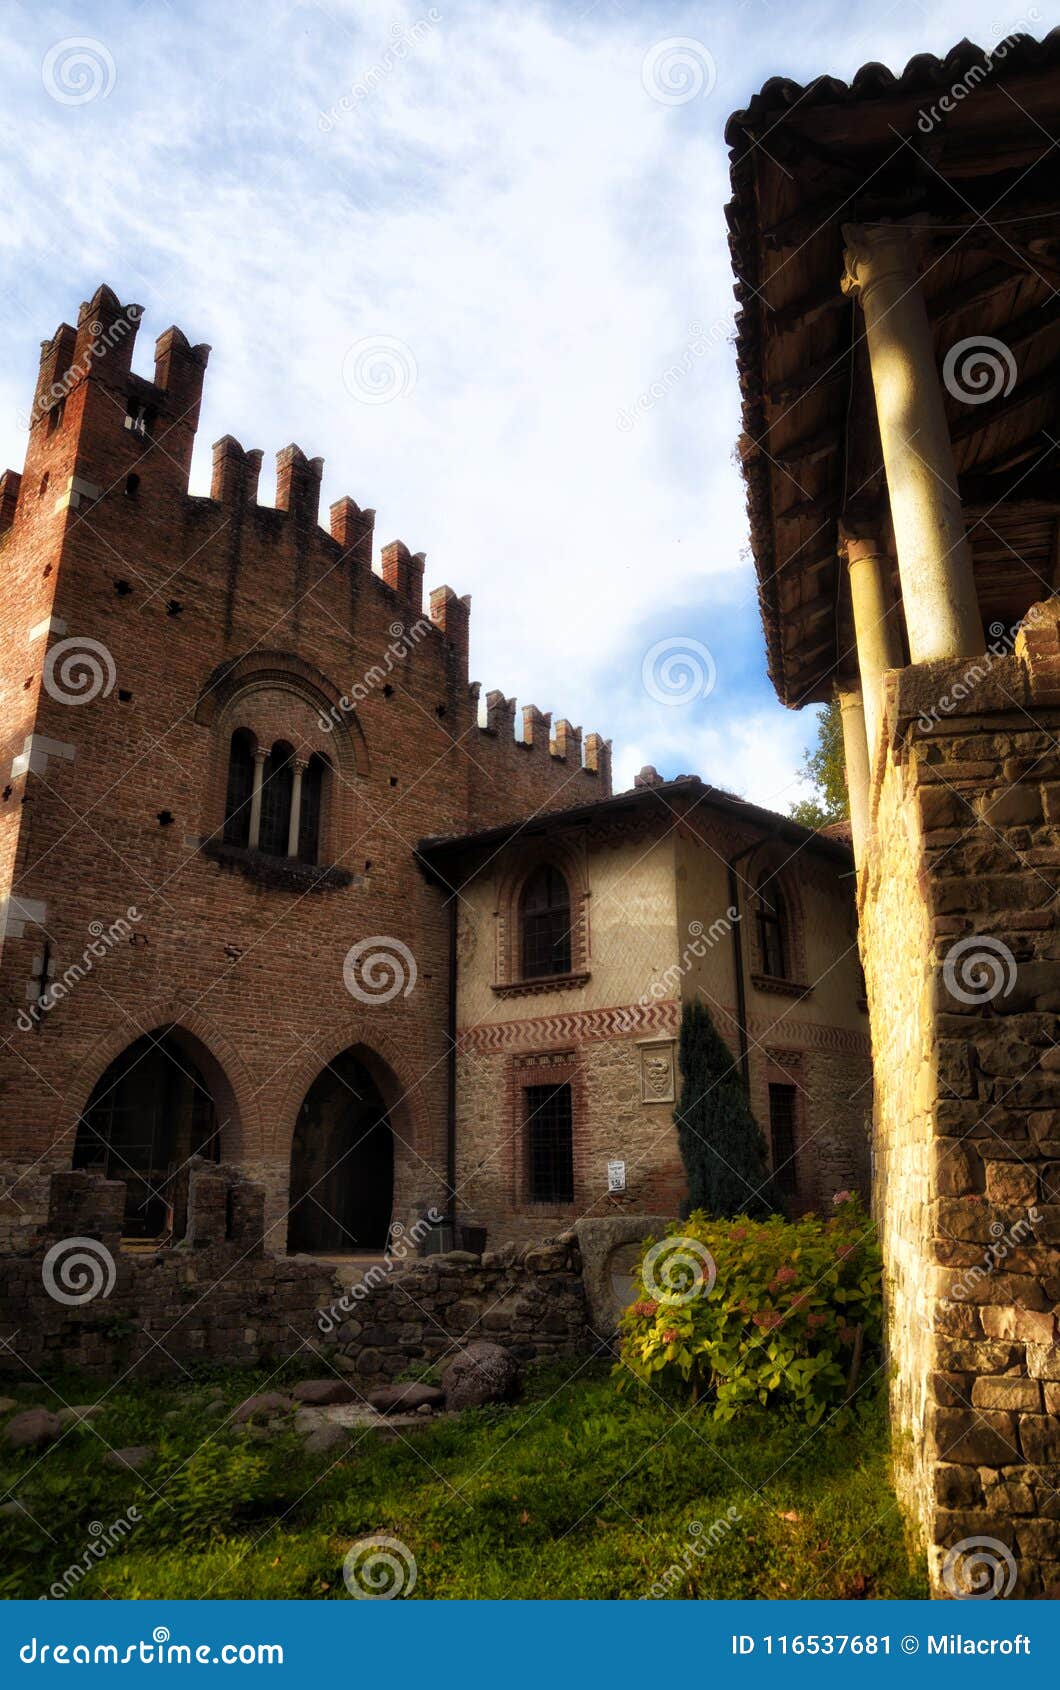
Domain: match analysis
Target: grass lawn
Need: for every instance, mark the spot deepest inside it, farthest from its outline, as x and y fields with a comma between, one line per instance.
x=579, y=1491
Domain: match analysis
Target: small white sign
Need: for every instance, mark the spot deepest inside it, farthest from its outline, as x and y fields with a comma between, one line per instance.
x=616, y=1176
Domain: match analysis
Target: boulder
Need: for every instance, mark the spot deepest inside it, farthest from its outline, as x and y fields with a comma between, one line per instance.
x=320, y=1392
x=326, y=1438
x=131, y=1460
x=79, y=1411
x=32, y=1429
x=481, y=1373
x=406, y=1399
x=261, y=1407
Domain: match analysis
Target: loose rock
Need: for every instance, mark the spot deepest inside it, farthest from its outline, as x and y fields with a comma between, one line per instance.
x=32, y=1429
x=262, y=1406
x=405, y=1399
x=481, y=1373
x=131, y=1460
x=319, y=1392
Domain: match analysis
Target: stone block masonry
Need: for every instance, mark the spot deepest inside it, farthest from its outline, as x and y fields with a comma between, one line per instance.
x=962, y=957
x=76, y=1301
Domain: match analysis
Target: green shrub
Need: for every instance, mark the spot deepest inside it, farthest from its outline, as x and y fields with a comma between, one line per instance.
x=775, y=1312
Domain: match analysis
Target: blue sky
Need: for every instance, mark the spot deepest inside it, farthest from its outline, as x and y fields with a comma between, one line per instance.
x=519, y=208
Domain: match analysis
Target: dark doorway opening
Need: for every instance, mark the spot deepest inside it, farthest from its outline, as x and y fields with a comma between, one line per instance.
x=342, y=1164
x=147, y=1116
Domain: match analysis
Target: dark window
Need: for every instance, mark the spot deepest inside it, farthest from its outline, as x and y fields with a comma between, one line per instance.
x=550, y=1144
x=55, y=415
x=772, y=916
x=782, y=1137
x=240, y=788
x=309, y=816
x=139, y=418
x=277, y=781
x=546, y=924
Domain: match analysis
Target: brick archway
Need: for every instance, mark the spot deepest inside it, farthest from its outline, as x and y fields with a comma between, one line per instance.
x=388, y=1066
x=218, y=1060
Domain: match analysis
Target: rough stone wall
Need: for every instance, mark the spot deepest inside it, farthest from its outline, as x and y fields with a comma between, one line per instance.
x=220, y=1298
x=965, y=994
x=194, y=613
x=531, y=1301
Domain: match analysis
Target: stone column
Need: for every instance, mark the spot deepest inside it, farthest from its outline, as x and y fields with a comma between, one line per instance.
x=296, y=808
x=934, y=559
x=875, y=630
x=255, y=799
x=856, y=757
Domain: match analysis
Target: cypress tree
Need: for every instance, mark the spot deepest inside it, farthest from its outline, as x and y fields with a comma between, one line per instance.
x=721, y=1146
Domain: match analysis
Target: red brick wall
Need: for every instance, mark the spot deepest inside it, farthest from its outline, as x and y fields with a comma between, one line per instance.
x=171, y=591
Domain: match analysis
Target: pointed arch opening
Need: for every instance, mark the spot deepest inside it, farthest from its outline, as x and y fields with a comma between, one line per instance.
x=342, y=1162
x=163, y=1100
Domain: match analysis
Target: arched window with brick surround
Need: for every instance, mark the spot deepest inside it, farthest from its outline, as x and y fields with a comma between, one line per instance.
x=773, y=927
x=274, y=800
x=545, y=921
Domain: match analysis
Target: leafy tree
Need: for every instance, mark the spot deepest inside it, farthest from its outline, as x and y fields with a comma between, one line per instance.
x=825, y=770
x=720, y=1143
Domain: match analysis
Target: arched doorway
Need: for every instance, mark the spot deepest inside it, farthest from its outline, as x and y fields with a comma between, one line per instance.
x=342, y=1163
x=148, y=1114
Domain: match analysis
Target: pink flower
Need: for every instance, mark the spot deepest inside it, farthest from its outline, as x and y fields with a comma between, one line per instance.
x=842, y=1197
x=816, y=1319
x=647, y=1308
x=671, y=1337
x=767, y=1319
x=785, y=1275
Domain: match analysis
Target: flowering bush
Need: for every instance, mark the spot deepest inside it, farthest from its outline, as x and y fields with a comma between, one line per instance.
x=768, y=1311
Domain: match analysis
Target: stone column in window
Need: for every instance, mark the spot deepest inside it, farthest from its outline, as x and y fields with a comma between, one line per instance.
x=296, y=807
x=255, y=798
